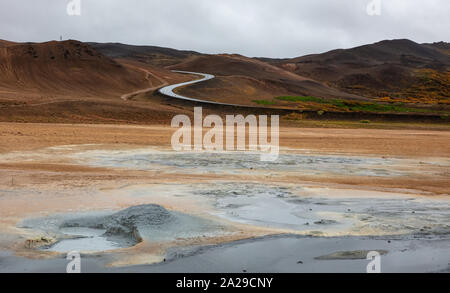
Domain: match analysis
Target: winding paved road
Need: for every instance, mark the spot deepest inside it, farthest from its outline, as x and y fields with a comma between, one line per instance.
x=169, y=90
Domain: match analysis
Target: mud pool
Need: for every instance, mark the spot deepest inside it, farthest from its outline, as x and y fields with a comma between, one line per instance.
x=311, y=221
x=242, y=162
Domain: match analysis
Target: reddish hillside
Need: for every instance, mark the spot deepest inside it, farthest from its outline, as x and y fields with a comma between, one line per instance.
x=4, y=43
x=242, y=80
x=64, y=68
x=397, y=70
x=152, y=55
x=70, y=82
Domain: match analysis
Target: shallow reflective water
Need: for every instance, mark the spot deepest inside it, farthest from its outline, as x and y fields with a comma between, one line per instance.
x=310, y=209
x=87, y=240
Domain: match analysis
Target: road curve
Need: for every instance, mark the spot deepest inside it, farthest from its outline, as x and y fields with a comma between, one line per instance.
x=169, y=90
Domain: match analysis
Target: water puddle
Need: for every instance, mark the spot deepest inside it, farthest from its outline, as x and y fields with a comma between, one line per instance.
x=311, y=210
x=86, y=240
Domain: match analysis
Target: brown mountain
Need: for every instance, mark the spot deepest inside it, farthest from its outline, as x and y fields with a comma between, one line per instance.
x=157, y=56
x=73, y=81
x=242, y=80
x=443, y=47
x=398, y=70
x=70, y=81
x=64, y=68
x=238, y=79
x=4, y=43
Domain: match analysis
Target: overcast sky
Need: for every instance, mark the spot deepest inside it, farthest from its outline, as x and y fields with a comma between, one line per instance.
x=270, y=28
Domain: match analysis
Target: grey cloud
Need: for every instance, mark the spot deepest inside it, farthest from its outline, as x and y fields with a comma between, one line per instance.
x=272, y=28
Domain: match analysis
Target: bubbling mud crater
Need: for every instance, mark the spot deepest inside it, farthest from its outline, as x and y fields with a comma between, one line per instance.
x=103, y=231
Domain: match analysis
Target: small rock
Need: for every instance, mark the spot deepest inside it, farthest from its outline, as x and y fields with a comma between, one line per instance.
x=325, y=222
x=300, y=262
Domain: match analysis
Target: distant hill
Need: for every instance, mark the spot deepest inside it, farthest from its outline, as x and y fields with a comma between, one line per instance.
x=4, y=43
x=72, y=82
x=68, y=67
x=115, y=83
x=396, y=70
x=243, y=80
x=238, y=79
x=153, y=55
x=443, y=47
x=390, y=71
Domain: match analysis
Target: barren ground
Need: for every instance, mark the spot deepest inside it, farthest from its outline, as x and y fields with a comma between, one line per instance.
x=36, y=181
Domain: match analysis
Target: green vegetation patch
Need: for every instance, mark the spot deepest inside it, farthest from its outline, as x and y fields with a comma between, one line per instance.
x=302, y=99
x=357, y=106
x=264, y=102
